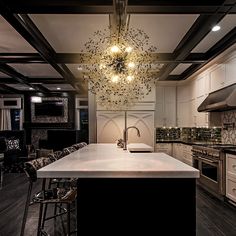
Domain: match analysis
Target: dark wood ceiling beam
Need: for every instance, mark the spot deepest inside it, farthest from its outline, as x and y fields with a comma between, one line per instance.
x=227, y=41
x=8, y=70
x=105, y=7
x=60, y=6
x=8, y=89
x=200, y=28
x=76, y=58
x=28, y=30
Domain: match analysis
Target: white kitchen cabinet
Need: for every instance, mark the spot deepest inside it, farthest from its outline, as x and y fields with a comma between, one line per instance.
x=217, y=78
x=201, y=117
x=165, y=106
x=177, y=151
x=183, y=152
x=230, y=71
x=183, y=114
x=202, y=85
x=231, y=177
x=144, y=121
x=111, y=124
x=164, y=147
x=187, y=154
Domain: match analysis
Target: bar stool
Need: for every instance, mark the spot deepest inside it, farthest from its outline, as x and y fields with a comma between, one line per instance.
x=46, y=196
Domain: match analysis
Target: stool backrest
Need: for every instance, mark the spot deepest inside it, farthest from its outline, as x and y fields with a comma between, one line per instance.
x=77, y=146
x=31, y=167
x=55, y=155
x=68, y=150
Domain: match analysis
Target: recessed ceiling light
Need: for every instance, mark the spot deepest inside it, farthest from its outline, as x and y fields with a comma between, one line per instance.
x=215, y=28
x=58, y=88
x=79, y=68
x=31, y=88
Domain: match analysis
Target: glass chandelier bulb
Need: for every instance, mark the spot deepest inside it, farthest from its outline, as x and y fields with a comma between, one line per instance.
x=129, y=49
x=115, y=78
x=130, y=78
x=115, y=49
x=131, y=65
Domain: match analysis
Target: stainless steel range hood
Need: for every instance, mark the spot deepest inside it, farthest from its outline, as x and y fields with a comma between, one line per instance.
x=220, y=100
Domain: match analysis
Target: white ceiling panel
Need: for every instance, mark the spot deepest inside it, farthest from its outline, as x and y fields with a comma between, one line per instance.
x=69, y=33
x=22, y=87
x=2, y=75
x=180, y=69
x=165, y=31
x=226, y=24
x=11, y=41
x=74, y=69
x=58, y=87
x=36, y=70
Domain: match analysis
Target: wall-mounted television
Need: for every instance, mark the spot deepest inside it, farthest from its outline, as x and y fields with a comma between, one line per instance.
x=50, y=110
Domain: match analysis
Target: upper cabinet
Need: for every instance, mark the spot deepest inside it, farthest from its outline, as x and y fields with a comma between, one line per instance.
x=165, y=106
x=217, y=78
x=230, y=71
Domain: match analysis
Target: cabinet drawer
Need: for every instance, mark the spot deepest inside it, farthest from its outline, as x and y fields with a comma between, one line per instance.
x=231, y=165
x=231, y=189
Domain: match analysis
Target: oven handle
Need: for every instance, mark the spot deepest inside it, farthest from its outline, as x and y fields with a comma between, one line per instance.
x=207, y=160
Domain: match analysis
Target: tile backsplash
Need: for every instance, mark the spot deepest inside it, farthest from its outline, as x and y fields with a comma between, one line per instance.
x=228, y=132
x=193, y=134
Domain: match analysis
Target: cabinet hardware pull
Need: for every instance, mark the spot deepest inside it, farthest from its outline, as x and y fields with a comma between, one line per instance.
x=234, y=166
x=234, y=189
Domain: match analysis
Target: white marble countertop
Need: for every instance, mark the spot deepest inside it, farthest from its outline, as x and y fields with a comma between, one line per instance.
x=109, y=161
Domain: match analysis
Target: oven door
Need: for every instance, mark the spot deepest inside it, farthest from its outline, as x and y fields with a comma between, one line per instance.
x=210, y=173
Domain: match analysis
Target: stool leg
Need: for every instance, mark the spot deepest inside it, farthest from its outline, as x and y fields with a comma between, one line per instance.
x=40, y=219
x=68, y=219
x=26, y=209
x=46, y=206
x=1, y=175
x=41, y=211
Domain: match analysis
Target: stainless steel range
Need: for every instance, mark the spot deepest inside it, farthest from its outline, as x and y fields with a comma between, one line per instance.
x=210, y=160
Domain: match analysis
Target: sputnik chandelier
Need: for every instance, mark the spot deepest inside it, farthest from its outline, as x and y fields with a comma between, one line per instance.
x=119, y=68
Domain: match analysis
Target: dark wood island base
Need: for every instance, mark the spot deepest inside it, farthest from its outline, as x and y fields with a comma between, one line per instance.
x=136, y=206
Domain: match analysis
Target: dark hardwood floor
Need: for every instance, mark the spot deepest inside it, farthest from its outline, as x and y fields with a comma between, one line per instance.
x=214, y=217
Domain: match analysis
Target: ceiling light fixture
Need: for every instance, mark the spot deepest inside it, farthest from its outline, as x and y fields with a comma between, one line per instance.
x=215, y=28
x=58, y=88
x=31, y=88
x=36, y=99
x=118, y=68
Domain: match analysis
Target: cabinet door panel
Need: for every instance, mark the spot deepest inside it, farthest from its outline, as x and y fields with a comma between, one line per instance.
x=159, y=115
x=230, y=71
x=217, y=77
x=144, y=121
x=110, y=126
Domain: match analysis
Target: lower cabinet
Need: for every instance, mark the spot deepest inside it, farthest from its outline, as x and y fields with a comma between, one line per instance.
x=164, y=147
x=231, y=177
x=180, y=151
x=183, y=152
x=187, y=154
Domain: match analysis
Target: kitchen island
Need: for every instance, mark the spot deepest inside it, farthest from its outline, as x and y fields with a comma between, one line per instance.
x=123, y=193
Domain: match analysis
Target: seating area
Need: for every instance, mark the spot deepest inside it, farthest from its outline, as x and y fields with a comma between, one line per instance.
x=57, y=192
x=13, y=148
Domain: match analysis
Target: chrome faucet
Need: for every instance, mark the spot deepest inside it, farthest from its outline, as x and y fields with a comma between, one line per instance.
x=125, y=135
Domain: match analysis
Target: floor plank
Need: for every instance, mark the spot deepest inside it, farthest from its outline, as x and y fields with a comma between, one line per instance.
x=214, y=217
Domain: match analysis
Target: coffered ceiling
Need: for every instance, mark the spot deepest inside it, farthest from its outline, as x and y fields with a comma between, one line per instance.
x=41, y=41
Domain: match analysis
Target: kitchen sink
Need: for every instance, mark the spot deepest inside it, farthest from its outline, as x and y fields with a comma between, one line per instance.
x=139, y=148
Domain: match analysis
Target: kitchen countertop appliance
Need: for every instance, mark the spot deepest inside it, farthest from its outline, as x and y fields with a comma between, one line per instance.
x=210, y=160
